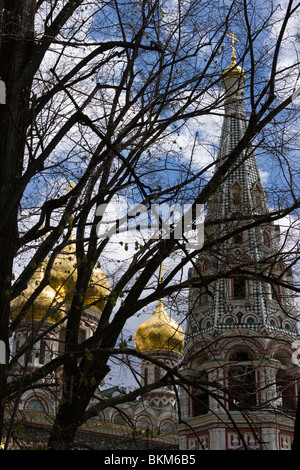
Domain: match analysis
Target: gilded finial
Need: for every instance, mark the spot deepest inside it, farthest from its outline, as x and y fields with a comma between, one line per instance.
x=233, y=70
x=233, y=38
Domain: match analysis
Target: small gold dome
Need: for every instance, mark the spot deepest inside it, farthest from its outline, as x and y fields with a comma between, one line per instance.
x=159, y=332
x=46, y=306
x=233, y=71
x=64, y=277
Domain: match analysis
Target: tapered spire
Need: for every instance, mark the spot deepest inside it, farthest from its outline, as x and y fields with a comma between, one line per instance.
x=238, y=301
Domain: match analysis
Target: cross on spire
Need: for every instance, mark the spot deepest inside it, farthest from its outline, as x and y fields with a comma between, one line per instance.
x=233, y=38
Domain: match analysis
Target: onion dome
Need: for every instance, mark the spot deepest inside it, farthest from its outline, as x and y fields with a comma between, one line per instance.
x=159, y=333
x=64, y=277
x=47, y=306
x=234, y=71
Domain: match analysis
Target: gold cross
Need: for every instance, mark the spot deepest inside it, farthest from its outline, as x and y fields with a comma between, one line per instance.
x=233, y=38
x=160, y=272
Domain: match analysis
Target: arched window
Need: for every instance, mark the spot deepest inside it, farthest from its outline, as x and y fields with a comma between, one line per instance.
x=168, y=427
x=239, y=288
x=36, y=404
x=198, y=268
x=287, y=326
x=120, y=420
x=257, y=196
x=273, y=322
x=266, y=239
x=143, y=423
x=236, y=194
x=241, y=382
x=206, y=265
x=229, y=321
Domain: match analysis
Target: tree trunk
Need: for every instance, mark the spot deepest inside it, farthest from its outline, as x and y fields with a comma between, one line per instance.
x=17, y=23
x=64, y=430
x=67, y=422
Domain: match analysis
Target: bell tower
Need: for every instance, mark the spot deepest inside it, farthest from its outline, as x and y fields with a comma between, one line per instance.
x=240, y=329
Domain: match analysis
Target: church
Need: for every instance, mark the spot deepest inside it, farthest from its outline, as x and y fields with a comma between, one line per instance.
x=238, y=345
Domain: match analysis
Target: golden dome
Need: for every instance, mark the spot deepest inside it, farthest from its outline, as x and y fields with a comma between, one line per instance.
x=233, y=71
x=64, y=277
x=46, y=306
x=159, y=332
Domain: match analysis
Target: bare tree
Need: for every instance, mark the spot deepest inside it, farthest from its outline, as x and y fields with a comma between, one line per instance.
x=107, y=101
